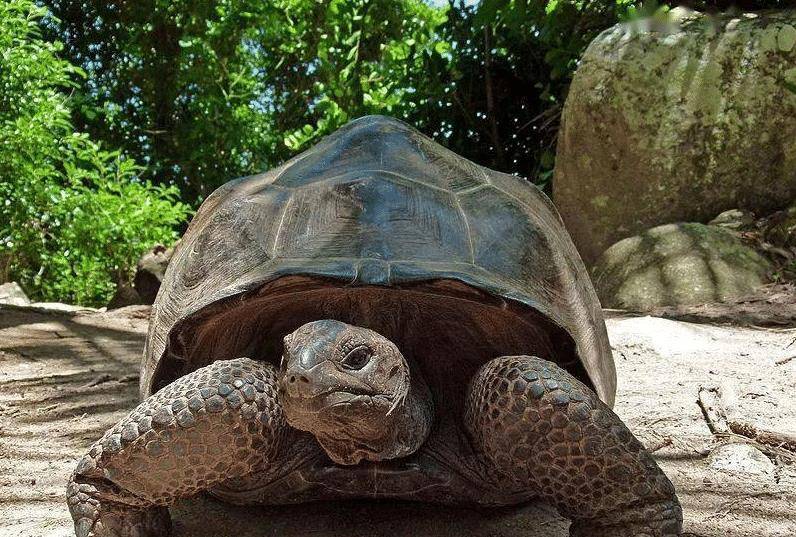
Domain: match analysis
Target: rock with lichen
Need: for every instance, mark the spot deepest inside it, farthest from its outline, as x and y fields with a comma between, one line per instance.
x=678, y=120
x=677, y=264
x=12, y=293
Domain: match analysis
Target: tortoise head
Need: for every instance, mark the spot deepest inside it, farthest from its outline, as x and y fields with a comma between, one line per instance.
x=350, y=387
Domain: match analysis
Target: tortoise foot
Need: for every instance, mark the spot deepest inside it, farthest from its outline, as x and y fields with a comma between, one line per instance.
x=98, y=518
x=154, y=522
x=220, y=422
x=546, y=431
x=663, y=519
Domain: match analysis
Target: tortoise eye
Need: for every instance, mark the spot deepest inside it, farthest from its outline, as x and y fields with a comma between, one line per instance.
x=357, y=358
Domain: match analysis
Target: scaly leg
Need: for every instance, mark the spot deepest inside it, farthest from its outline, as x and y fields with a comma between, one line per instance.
x=545, y=430
x=220, y=422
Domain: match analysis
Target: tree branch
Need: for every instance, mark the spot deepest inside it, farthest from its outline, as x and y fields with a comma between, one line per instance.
x=490, y=98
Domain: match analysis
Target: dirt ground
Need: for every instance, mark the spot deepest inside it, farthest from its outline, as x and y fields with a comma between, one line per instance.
x=64, y=378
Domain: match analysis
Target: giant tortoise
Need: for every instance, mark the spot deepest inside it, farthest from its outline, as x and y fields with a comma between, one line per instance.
x=376, y=318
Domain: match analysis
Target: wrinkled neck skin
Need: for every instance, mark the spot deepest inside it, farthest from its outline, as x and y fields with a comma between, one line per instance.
x=395, y=431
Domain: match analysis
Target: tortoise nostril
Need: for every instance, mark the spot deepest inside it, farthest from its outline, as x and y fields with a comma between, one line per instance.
x=296, y=383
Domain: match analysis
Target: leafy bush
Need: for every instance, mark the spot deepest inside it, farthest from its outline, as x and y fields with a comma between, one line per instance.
x=73, y=218
x=370, y=60
x=208, y=91
x=75, y=238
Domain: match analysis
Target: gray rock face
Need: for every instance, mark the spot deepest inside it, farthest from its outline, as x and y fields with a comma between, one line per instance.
x=677, y=264
x=678, y=123
x=149, y=273
x=12, y=293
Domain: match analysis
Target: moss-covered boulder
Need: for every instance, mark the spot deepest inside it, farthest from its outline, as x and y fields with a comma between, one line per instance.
x=677, y=264
x=678, y=121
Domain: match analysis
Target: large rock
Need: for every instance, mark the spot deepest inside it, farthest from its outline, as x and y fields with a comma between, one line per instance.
x=734, y=220
x=676, y=123
x=125, y=295
x=12, y=293
x=677, y=264
x=149, y=272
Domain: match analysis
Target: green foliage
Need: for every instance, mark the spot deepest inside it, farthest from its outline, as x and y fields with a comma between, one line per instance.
x=737, y=5
x=202, y=92
x=207, y=91
x=73, y=218
x=33, y=114
x=366, y=60
x=507, y=80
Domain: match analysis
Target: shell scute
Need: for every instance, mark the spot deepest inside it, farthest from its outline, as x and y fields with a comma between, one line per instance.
x=378, y=204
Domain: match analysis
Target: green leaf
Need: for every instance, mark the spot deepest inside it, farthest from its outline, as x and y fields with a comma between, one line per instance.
x=488, y=10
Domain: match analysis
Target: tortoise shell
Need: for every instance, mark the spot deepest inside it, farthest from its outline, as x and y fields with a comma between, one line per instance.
x=378, y=225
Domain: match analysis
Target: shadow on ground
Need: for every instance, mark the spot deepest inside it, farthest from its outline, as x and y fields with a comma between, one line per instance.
x=207, y=516
x=64, y=379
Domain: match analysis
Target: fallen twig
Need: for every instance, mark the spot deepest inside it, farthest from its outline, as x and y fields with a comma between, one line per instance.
x=785, y=360
x=47, y=408
x=778, y=439
x=774, y=452
x=720, y=411
x=660, y=444
x=128, y=378
x=708, y=401
x=99, y=379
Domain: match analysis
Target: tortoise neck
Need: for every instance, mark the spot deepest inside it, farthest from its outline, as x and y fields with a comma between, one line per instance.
x=413, y=418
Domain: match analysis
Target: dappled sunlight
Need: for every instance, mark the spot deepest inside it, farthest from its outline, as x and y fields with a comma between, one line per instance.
x=679, y=125
x=64, y=379
x=677, y=264
x=687, y=278
x=506, y=211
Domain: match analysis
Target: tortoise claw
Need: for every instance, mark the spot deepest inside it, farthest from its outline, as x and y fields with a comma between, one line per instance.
x=95, y=516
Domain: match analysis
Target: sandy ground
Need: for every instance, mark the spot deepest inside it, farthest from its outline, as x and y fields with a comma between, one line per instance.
x=64, y=378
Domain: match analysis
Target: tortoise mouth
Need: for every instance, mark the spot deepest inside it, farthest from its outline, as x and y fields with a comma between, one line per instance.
x=361, y=415
x=333, y=399
x=447, y=328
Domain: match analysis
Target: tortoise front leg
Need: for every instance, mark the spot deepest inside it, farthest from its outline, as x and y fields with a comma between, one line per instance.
x=546, y=431
x=220, y=422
